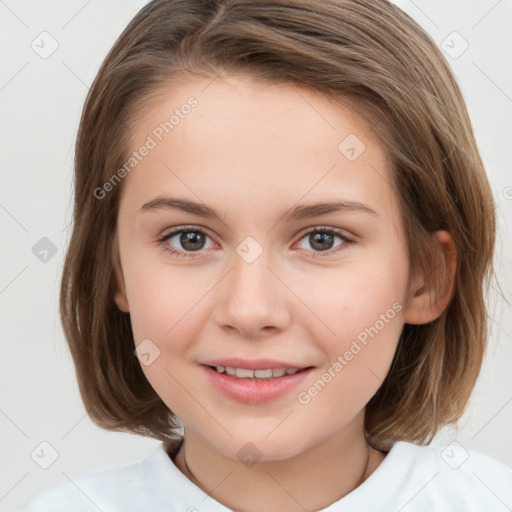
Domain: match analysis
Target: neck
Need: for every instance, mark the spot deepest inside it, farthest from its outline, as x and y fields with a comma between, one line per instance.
x=311, y=480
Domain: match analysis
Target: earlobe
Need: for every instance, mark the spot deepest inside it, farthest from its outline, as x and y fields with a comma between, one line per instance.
x=121, y=302
x=120, y=294
x=421, y=309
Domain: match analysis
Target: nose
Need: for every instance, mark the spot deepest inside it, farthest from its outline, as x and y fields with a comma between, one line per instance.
x=252, y=300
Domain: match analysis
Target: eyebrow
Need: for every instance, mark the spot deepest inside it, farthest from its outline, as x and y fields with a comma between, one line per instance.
x=303, y=211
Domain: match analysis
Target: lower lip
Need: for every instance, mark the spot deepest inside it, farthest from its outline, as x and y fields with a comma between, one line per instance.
x=249, y=391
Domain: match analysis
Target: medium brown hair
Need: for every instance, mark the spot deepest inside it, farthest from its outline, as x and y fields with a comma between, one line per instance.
x=365, y=52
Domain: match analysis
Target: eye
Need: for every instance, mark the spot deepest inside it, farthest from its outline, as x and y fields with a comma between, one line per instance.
x=321, y=239
x=190, y=238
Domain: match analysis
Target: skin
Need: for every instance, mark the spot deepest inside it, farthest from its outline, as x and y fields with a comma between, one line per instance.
x=251, y=151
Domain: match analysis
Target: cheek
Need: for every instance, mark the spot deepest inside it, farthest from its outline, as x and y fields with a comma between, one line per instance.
x=165, y=311
x=358, y=359
x=163, y=300
x=365, y=293
x=363, y=309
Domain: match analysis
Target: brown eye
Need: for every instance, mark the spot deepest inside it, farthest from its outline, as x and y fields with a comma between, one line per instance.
x=184, y=240
x=322, y=240
x=192, y=240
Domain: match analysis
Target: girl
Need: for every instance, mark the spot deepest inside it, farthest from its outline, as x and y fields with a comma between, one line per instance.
x=283, y=229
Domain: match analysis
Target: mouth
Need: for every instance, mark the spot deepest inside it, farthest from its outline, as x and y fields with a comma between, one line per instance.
x=257, y=375
x=255, y=386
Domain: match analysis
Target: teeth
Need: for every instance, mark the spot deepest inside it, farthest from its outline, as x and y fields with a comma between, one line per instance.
x=244, y=373
x=261, y=374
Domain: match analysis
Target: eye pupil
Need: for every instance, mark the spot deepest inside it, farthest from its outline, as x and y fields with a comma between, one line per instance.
x=321, y=238
x=192, y=240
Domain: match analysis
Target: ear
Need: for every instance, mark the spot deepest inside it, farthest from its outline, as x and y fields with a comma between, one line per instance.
x=420, y=308
x=120, y=288
x=121, y=300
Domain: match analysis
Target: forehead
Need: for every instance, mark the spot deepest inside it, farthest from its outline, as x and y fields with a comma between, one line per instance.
x=255, y=144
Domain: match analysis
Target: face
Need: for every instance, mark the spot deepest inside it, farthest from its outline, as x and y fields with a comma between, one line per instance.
x=325, y=292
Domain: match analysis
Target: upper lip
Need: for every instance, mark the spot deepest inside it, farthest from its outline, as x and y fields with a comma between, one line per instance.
x=255, y=364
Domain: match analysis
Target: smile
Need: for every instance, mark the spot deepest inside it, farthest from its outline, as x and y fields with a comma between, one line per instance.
x=255, y=386
x=244, y=373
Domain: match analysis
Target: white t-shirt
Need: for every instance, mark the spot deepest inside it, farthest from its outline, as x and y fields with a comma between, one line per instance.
x=411, y=478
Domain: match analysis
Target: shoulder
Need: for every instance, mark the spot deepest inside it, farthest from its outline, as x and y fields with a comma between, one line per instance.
x=460, y=465
x=123, y=487
x=447, y=478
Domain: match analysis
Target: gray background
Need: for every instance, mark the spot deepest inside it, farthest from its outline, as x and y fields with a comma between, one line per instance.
x=40, y=105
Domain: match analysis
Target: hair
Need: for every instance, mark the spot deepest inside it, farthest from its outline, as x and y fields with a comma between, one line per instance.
x=368, y=54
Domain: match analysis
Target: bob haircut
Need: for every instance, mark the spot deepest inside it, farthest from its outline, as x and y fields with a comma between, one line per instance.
x=367, y=54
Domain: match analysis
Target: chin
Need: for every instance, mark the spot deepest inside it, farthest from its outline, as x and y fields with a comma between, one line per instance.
x=259, y=448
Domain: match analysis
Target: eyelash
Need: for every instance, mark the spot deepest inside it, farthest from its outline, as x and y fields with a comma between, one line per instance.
x=190, y=254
